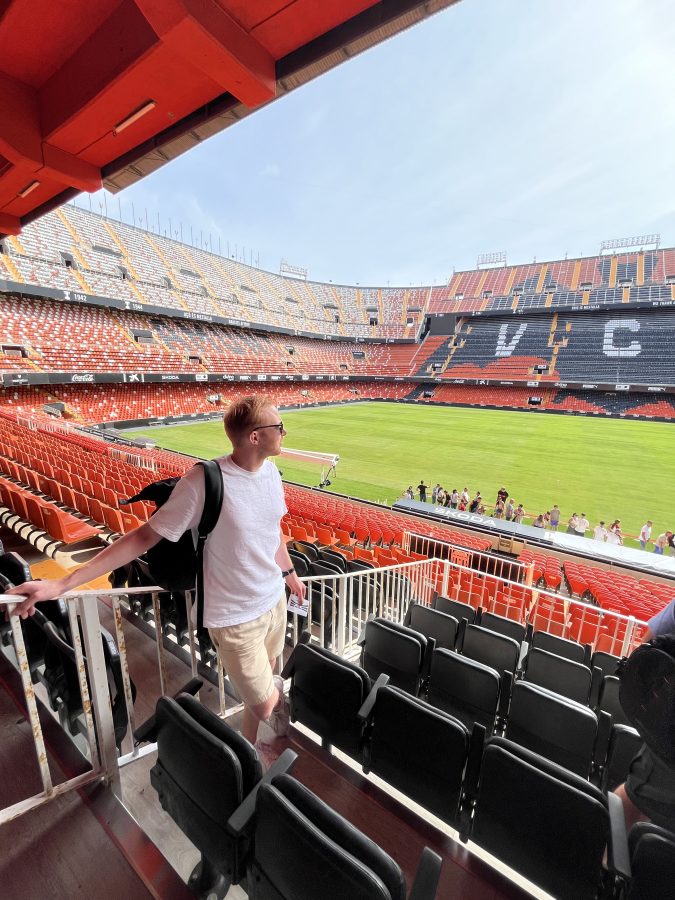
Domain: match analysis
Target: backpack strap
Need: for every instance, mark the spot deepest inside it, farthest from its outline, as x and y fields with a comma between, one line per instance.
x=213, y=502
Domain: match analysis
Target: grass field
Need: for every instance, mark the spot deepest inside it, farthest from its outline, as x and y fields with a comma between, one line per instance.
x=607, y=468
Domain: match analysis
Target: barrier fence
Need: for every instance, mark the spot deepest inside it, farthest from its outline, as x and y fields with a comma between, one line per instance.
x=338, y=607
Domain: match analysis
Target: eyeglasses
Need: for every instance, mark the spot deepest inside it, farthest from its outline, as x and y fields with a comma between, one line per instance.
x=278, y=425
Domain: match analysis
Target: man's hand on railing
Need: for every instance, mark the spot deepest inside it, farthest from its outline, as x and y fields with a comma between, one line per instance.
x=35, y=592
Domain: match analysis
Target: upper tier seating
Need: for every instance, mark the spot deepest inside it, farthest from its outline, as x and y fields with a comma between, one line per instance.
x=78, y=250
x=597, y=280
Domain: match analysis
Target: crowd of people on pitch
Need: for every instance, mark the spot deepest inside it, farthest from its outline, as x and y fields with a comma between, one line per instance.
x=505, y=507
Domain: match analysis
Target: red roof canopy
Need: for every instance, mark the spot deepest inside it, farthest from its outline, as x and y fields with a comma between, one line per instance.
x=105, y=92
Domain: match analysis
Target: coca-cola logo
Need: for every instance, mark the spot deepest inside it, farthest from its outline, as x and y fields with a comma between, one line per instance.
x=88, y=378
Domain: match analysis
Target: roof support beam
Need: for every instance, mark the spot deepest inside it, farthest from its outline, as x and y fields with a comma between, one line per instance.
x=210, y=39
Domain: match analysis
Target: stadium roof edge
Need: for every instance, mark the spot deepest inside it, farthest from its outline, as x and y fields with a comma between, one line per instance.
x=41, y=175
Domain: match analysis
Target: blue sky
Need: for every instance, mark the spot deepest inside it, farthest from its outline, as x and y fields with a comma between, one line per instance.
x=531, y=126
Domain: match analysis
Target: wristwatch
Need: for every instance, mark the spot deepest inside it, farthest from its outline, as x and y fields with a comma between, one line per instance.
x=287, y=572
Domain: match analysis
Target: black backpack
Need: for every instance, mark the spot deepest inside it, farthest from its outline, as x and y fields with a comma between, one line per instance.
x=647, y=694
x=178, y=565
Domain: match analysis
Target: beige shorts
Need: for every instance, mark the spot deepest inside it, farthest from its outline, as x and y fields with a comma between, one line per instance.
x=245, y=651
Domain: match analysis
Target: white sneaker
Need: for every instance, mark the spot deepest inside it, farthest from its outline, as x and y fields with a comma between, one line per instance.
x=280, y=717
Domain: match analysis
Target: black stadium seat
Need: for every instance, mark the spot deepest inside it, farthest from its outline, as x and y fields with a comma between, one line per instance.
x=418, y=749
x=326, y=695
x=433, y=624
x=571, y=679
x=542, y=820
x=502, y=625
x=624, y=745
x=609, y=700
x=652, y=860
x=466, y=689
x=557, y=728
x=304, y=850
x=560, y=646
x=203, y=773
x=396, y=651
x=495, y=650
x=455, y=608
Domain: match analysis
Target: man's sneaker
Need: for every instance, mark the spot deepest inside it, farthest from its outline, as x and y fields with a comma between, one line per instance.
x=280, y=717
x=266, y=754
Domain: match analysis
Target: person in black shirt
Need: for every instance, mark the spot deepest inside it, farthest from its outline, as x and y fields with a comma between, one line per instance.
x=475, y=503
x=503, y=495
x=422, y=488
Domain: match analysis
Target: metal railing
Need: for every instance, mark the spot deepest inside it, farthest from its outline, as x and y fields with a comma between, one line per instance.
x=338, y=607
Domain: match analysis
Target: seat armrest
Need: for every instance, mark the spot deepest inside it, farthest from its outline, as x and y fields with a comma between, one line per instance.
x=618, y=856
x=596, y=685
x=602, y=738
x=505, y=688
x=473, y=762
x=367, y=707
x=427, y=876
x=242, y=817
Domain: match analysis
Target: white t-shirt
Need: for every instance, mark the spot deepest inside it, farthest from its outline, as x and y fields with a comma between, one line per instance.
x=241, y=578
x=645, y=533
x=613, y=537
x=600, y=533
x=582, y=526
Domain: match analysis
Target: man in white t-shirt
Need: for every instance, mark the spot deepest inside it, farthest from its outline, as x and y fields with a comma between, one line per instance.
x=645, y=534
x=600, y=532
x=582, y=525
x=245, y=561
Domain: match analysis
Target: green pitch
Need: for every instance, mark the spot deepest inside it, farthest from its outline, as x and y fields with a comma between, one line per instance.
x=607, y=468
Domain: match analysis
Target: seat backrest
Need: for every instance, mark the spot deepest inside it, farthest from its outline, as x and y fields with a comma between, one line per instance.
x=558, y=674
x=494, y=650
x=624, y=745
x=334, y=558
x=502, y=625
x=434, y=624
x=552, y=726
x=610, y=702
x=418, y=749
x=652, y=859
x=542, y=820
x=394, y=650
x=455, y=608
x=606, y=662
x=326, y=694
x=203, y=771
x=305, y=850
x=560, y=646
x=466, y=689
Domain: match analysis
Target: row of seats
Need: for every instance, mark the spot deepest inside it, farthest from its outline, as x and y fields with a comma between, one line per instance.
x=93, y=404
x=536, y=815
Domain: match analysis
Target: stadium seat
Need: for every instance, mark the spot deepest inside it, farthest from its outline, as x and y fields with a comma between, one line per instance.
x=303, y=850
x=652, y=861
x=624, y=745
x=466, y=689
x=561, y=647
x=495, y=650
x=566, y=732
x=433, y=624
x=570, y=679
x=396, y=651
x=326, y=695
x=454, y=608
x=503, y=625
x=419, y=750
x=544, y=821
